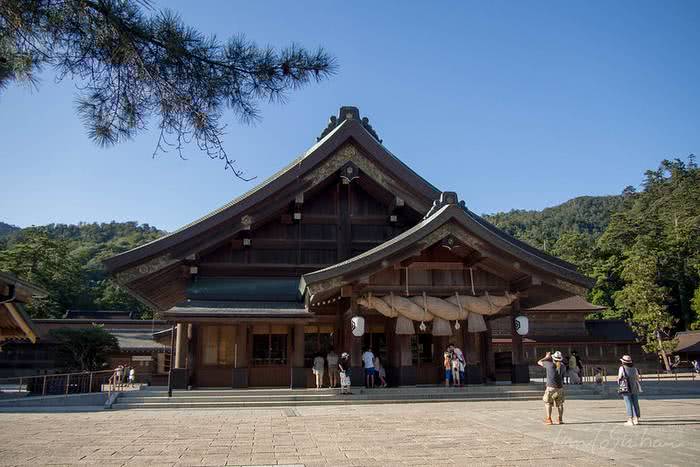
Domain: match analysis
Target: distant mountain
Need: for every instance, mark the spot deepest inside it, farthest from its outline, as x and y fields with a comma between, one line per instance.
x=7, y=229
x=588, y=215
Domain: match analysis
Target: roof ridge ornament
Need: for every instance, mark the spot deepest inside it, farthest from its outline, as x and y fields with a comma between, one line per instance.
x=446, y=197
x=348, y=113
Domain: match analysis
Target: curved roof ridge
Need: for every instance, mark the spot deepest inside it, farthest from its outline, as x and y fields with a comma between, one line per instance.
x=238, y=198
x=519, y=243
x=436, y=219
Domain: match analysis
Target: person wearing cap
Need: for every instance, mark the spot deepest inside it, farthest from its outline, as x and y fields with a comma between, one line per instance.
x=633, y=387
x=554, y=390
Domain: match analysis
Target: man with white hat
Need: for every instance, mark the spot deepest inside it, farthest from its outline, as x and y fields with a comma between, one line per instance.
x=554, y=390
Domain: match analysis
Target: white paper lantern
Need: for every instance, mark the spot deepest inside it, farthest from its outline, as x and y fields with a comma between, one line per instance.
x=522, y=325
x=358, y=326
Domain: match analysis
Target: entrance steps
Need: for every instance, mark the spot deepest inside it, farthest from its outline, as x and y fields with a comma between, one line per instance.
x=156, y=398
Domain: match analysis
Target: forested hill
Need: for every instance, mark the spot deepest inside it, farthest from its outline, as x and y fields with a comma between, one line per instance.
x=588, y=215
x=7, y=229
x=66, y=259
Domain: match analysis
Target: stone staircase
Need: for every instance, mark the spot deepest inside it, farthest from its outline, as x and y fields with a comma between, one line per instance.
x=157, y=398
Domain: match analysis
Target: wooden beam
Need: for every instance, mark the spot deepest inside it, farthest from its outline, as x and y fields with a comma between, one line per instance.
x=433, y=265
x=435, y=290
x=21, y=323
x=346, y=291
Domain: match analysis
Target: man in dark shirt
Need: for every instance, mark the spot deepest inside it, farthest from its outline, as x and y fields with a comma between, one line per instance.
x=554, y=390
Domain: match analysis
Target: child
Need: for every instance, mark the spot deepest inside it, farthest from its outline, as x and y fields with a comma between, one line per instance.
x=345, y=373
x=448, y=369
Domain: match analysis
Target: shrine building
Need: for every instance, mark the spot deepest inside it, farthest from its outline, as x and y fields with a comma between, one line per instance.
x=258, y=287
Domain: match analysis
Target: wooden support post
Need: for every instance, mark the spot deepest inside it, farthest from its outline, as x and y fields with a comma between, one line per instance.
x=180, y=346
x=489, y=362
x=170, y=370
x=355, y=344
x=298, y=372
x=520, y=371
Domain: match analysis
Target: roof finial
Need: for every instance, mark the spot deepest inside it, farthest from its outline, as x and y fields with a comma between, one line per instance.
x=347, y=112
x=446, y=197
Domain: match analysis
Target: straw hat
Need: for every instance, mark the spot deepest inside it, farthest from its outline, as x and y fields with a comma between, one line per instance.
x=626, y=359
x=557, y=357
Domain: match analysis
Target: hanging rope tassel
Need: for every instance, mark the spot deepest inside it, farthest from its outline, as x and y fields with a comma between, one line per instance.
x=471, y=278
x=422, y=326
x=461, y=310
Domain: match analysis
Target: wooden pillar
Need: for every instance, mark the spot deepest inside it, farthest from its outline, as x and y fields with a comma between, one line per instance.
x=240, y=350
x=191, y=342
x=489, y=359
x=520, y=371
x=240, y=357
x=297, y=360
x=354, y=344
x=181, y=345
x=392, y=344
x=179, y=375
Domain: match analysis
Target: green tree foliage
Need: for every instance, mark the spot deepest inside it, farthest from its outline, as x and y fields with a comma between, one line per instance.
x=49, y=263
x=661, y=222
x=7, y=229
x=83, y=349
x=585, y=215
x=695, y=304
x=644, y=300
x=67, y=261
x=134, y=64
x=642, y=248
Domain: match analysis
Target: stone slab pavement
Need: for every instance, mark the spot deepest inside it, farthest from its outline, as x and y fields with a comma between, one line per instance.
x=445, y=433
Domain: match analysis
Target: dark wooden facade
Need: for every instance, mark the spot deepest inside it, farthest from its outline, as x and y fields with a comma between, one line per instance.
x=260, y=285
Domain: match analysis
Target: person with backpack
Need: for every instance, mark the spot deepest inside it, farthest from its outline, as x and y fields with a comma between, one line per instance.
x=629, y=387
x=554, y=389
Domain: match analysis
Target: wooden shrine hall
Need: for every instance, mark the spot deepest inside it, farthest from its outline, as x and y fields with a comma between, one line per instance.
x=260, y=286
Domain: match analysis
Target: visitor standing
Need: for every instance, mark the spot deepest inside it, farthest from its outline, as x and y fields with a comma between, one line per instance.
x=332, y=360
x=118, y=374
x=579, y=366
x=368, y=362
x=132, y=376
x=318, y=370
x=459, y=364
x=554, y=389
x=447, y=363
x=345, y=373
x=380, y=371
x=629, y=386
x=574, y=377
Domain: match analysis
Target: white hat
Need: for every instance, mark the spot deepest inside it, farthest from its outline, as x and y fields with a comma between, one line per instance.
x=557, y=357
x=626, y=359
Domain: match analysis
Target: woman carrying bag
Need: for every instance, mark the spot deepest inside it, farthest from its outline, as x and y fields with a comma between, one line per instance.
x=629, y=387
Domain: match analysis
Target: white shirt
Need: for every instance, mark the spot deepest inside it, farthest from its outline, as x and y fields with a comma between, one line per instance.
x=459, y=357
x=368, y=358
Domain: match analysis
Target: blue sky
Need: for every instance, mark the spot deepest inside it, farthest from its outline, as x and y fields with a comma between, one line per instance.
x=511, y=104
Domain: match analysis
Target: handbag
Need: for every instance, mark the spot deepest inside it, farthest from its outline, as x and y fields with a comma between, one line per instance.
x=624, y=383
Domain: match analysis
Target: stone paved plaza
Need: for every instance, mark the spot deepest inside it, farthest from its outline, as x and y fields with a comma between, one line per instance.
x=449, y=433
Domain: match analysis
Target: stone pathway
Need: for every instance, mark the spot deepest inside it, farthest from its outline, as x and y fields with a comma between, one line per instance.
x=449, y=433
